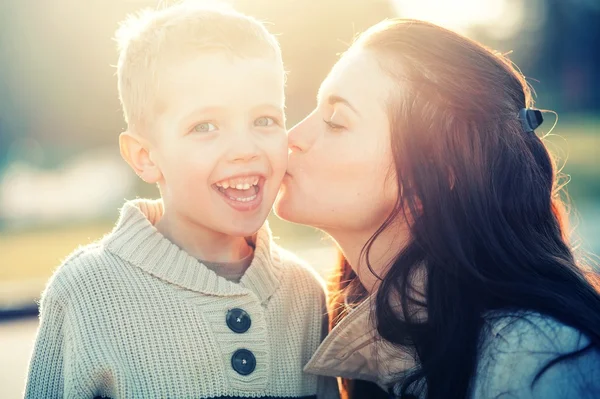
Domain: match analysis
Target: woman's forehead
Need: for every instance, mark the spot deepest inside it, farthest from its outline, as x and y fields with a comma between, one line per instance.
x=358, y=78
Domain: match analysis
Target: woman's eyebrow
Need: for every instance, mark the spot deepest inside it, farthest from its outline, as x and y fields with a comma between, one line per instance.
x=333, y=99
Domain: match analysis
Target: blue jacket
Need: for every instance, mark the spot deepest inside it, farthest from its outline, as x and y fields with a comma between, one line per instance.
x=514, y=347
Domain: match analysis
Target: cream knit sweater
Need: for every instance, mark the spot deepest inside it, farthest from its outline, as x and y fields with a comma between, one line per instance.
x=134, y=316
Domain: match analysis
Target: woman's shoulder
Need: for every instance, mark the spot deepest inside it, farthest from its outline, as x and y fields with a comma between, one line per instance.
x=529, y=329
x=515, y=347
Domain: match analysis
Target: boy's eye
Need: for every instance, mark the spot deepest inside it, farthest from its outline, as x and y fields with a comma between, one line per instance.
x=264, y=121
x=204, y=127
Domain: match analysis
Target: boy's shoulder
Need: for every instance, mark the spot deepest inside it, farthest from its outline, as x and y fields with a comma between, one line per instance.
x=85, y=268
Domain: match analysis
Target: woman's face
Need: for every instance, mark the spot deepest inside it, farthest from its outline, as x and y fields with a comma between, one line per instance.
x=341, y=174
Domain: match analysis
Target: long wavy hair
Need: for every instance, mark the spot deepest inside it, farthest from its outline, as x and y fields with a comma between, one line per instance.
x=481, y=198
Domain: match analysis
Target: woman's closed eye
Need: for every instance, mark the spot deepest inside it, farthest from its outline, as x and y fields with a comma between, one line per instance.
x=336, y=121
x=204, y=127
x=333, y=126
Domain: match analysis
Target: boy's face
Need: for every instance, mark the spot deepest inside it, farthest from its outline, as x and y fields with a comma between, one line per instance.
x=219, y=140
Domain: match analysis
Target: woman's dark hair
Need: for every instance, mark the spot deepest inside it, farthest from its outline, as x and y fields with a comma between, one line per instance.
x=481, y=199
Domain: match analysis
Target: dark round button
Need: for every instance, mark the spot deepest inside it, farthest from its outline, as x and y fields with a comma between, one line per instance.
x=243, y=361
x=238, y=320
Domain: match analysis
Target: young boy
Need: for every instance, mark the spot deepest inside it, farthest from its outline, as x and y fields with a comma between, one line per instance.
x=188, y=297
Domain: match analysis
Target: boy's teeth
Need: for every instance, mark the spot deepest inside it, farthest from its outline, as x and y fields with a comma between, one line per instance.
x=247, y=199
x=243, y=183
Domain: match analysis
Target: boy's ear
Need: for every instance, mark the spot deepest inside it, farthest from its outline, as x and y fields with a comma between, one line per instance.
x=135, y=150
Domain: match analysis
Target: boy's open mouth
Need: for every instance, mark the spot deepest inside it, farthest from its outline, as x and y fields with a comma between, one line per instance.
x=240, y=189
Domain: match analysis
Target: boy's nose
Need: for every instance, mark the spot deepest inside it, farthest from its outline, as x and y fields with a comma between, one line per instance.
x=243, y=148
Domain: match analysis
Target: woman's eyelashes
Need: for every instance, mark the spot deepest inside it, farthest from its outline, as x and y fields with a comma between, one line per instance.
x=335, y=122
x=333, y=126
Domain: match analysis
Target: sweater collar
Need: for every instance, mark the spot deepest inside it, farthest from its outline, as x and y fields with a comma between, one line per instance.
x=136, y=240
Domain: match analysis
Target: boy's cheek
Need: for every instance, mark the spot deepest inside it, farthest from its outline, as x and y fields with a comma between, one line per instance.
x=277, y=151
x=282, y=156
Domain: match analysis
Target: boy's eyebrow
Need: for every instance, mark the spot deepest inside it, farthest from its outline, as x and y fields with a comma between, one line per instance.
x=206, y=110
x=223, y=109
x=272, y=106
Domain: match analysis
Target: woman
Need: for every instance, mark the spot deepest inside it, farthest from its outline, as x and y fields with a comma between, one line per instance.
x=422, y=163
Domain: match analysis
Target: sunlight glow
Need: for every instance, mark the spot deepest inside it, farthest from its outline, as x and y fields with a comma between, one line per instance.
x=499, y=16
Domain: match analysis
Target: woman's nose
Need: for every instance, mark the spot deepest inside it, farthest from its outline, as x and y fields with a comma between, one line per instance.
x=292, y=143
x=300, y=138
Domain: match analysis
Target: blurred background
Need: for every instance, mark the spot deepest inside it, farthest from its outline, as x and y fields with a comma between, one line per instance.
x=62, y=179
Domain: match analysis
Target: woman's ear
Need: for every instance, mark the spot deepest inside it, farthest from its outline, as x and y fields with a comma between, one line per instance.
x=135, y=150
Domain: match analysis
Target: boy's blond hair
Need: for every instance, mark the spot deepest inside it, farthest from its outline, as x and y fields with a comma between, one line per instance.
x=153, y=38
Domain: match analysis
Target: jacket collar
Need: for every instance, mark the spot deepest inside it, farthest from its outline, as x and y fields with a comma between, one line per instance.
x=354, y=350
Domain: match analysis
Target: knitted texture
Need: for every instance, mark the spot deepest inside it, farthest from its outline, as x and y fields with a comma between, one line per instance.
x=134, y=316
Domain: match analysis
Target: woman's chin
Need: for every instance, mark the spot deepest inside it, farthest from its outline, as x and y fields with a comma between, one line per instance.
x=282, y=207
x=290, y=209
